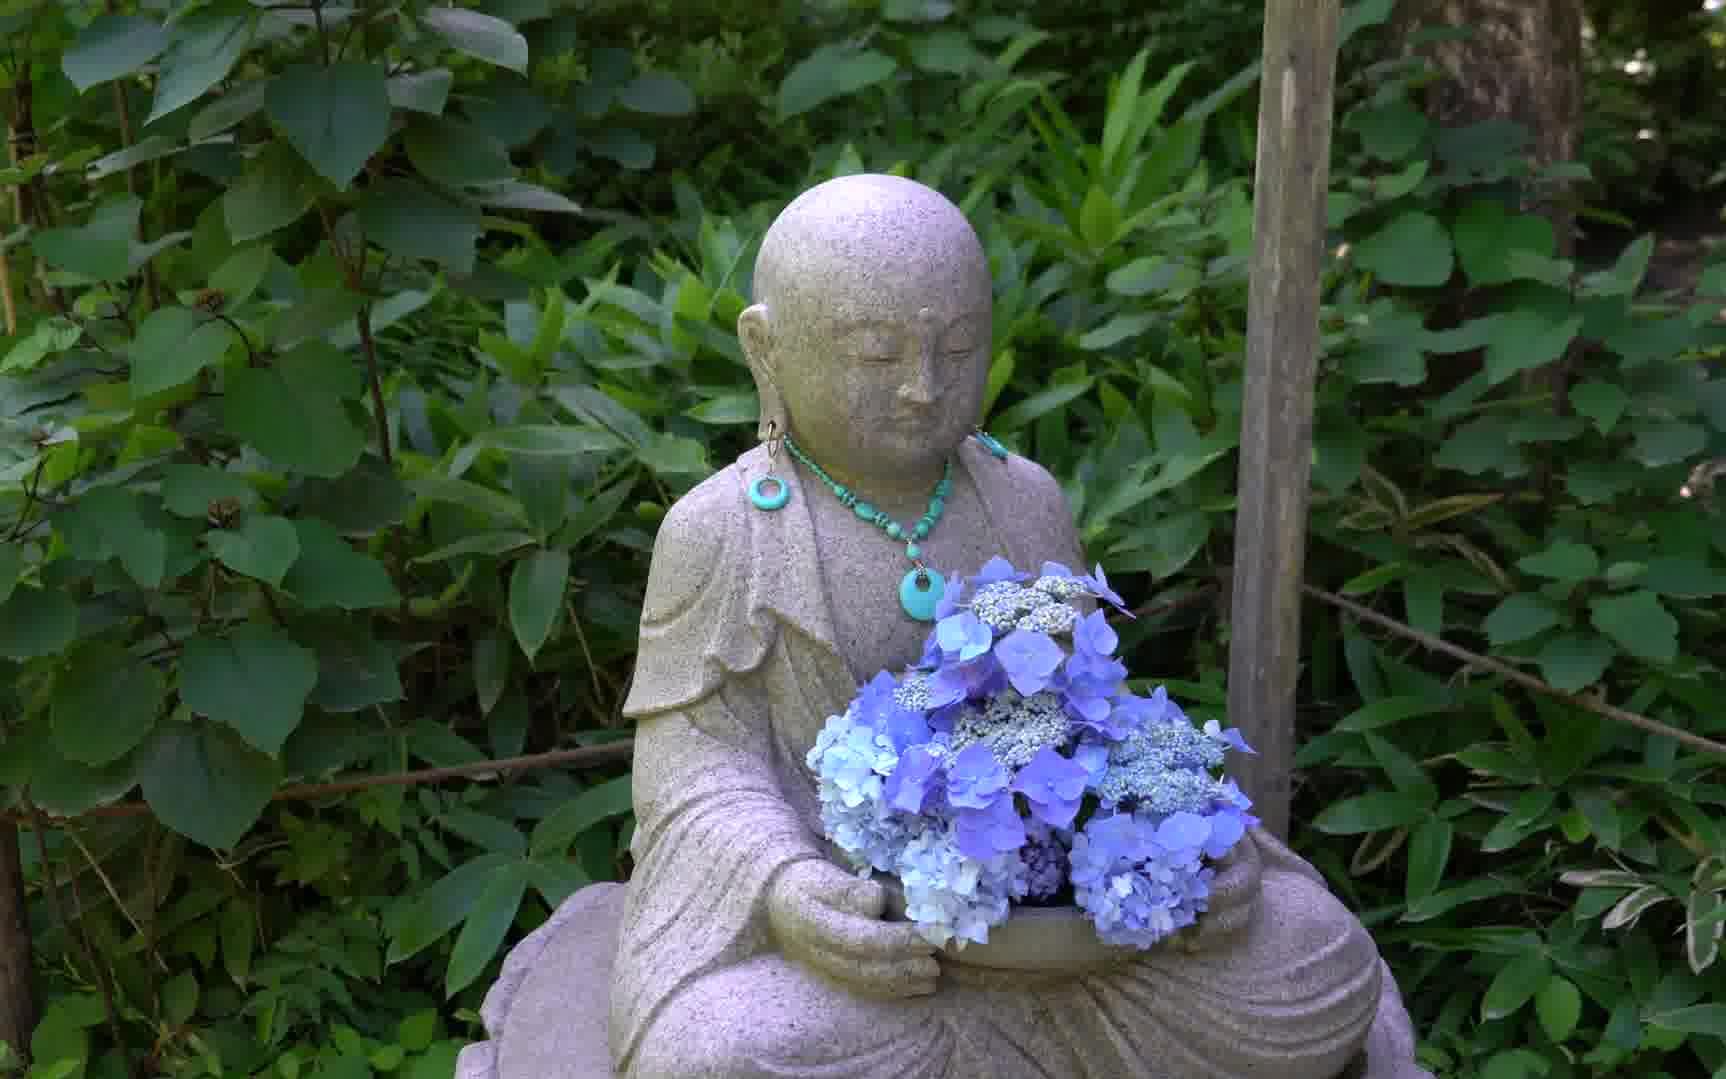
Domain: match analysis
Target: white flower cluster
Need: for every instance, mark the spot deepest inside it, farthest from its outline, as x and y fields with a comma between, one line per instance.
x=1014, y=727
x=1004, y=606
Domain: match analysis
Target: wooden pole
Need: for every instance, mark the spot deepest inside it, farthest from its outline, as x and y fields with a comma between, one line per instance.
x=17, y=993
x=1293, y=173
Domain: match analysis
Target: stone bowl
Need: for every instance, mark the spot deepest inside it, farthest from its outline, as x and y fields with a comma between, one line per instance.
x=1042, y=940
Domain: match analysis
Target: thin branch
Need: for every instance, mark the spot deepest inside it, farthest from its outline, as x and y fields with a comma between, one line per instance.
x=1526, y=681
x=582, y=757
x=374, y=380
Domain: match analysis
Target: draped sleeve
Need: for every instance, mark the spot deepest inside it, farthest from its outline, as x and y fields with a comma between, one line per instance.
x=714, y=823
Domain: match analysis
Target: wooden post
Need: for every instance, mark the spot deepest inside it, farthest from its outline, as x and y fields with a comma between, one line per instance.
x=1293, y=174
x=17, y=993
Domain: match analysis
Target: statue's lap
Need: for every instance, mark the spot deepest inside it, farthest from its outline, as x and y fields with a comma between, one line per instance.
x=1294, y=994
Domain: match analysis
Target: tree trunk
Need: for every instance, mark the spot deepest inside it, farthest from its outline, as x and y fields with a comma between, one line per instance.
x=1521, y=61
x=17, y=994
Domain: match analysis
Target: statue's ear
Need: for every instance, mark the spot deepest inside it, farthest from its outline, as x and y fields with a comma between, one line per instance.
x=756, y=337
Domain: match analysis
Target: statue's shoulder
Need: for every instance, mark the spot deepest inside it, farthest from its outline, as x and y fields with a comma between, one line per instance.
x=700, y=535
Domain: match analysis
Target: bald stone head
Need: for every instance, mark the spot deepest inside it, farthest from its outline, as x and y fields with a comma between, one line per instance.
x=869, y=336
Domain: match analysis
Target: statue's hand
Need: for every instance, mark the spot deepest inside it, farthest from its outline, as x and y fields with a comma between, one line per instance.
x=830, y=920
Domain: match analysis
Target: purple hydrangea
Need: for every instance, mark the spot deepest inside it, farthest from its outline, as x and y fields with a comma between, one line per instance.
x=1011, y=761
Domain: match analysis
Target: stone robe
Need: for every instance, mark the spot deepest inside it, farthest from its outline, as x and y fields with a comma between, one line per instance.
x=675, y=976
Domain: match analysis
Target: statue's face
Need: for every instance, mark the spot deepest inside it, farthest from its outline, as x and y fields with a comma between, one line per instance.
x=884, y=370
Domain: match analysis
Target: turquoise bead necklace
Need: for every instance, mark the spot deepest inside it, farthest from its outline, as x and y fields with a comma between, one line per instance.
x=920, y=589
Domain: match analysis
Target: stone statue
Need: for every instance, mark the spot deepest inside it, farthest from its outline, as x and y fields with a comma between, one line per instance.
x=739, y=948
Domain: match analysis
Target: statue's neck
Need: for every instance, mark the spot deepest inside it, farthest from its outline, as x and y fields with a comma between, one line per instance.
x=907, y=492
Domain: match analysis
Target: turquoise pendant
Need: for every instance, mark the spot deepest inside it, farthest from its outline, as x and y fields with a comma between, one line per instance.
x=919, y=592
x=764, y=501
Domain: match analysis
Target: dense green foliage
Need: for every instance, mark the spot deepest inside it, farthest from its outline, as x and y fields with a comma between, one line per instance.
x=334, y=435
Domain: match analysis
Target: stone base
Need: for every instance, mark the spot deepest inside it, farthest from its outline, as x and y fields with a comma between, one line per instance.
x=547, y=1012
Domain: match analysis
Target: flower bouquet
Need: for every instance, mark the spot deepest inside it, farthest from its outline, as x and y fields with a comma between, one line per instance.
x=1012, y=765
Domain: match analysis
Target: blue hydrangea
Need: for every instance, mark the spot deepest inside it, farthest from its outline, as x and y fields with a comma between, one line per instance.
x=952, y=897
x=1140, y=879
x=964, y=776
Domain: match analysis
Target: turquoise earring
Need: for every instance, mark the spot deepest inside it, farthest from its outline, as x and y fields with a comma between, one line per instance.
x=759, y=494
x=990, y=442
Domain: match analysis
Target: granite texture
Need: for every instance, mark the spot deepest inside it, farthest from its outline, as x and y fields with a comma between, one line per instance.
x=738, y=949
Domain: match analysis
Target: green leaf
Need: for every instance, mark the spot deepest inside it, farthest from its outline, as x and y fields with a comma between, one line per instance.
x=730, y=408
x=541, y=484
x=1423, y=599
x=1428, y=853
x=409, y=219
x=1524, y=339
x=256, y=680
x=1413, y=250
x=422, y=91
x=455, y=154
x=1696, y=1019
x=204, y=50
x=1625, y=275
x=480, y=543
x=1388, y=710
x=674, y=455
x=1563, y=561
x=1520, y=617
x=1600, y=402
x=830, y=72
x=602, y=802
x=1514, y=984
x=1575, y=661
x=485, y=831
x=536, y=589
x=1373, y=812
x=658, y=94
x=101, y=248
x=442, y=906
x=355, y=671
x=1667, y=442
x=112, y=46
x=172, y=346
x=946, y=51
x=263, y=547
x=1404, y=772
x=481, y=36
x=1099, y=218
x=329, y=573
x=337, y=117
x=37, y=622
x=292, y=410
x=550, y=440
x=191, y=490
x=491, y=655
x=205, y=783
x=1153, y=274
x=1558, y=1005
x=106, y=522
x=1602, y=818
x=1118, y=329
x=1041, y=403
x=241, y=273
x=11, y=568
x=275, y=190
x=105, y=703
x=482, y=934
x=1487, y=235
x=513, y=195
x=226, y=111
x=1640, y=625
